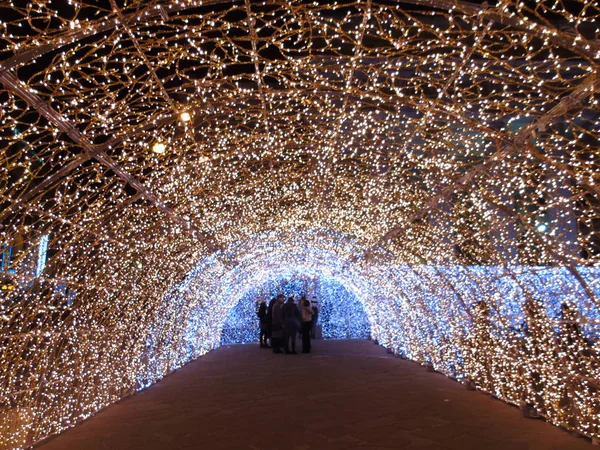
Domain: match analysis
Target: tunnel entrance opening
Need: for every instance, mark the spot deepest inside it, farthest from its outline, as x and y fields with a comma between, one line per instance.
x=341, y=313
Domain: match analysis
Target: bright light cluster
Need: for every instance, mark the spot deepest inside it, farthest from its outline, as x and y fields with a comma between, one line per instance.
x=160, y=161
x=341, y=315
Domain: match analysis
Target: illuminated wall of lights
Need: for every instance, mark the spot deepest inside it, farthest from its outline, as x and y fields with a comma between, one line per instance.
x=341, y=314
x=438, y=163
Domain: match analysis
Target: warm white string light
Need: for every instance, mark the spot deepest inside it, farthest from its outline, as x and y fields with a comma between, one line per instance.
x=441, y=164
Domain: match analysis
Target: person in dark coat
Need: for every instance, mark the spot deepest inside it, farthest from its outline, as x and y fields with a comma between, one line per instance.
x=277, y=325
x=263, y=319
x=291, y=325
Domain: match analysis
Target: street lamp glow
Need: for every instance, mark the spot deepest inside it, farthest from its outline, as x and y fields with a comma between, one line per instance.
x=159, y=147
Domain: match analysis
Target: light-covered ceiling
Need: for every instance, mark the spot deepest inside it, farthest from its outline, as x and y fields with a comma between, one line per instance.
x=139, y=139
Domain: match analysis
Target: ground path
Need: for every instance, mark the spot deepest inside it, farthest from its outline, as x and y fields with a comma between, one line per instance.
x=346, y=395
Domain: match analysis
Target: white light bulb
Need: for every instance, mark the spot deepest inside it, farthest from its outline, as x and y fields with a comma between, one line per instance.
x=159, y=147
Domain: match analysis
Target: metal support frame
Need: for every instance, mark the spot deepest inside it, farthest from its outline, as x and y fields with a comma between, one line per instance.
x=568, y=39
x=356, y=53
x=572, y=100
x=571, y=41
x=58, y=175
x=12, y=83
x=162, y=10
x=259, y=77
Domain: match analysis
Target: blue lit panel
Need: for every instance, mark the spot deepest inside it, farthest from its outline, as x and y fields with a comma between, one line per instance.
x=42, y=255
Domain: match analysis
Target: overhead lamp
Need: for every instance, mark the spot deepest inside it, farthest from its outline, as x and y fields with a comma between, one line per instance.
x=159, y=147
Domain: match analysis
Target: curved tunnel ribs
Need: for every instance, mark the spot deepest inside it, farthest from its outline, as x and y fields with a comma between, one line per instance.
x=435, y=160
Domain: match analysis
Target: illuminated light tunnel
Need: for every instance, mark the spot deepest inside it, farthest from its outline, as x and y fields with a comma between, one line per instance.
x=342, y=315
x=436, y=160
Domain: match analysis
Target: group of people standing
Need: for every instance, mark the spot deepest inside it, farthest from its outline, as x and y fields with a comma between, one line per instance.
x=280, y=323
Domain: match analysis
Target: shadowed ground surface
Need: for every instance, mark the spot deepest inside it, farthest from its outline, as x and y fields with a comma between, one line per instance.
x=346, y=395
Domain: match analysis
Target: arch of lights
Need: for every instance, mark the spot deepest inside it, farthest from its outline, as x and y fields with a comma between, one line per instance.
x=158, y=156
x=268, y=256
x=341, y=313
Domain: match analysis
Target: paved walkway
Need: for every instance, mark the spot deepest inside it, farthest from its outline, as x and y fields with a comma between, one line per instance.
x=346, y=395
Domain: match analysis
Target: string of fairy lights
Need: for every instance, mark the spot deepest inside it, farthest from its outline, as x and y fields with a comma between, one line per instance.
x=162, y=159
x=340, y=314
